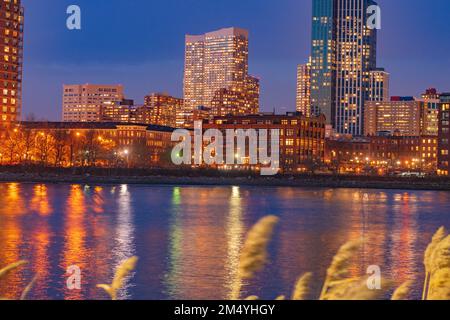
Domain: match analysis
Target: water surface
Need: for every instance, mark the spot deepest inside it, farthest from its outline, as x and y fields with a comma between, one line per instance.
x=188, y=238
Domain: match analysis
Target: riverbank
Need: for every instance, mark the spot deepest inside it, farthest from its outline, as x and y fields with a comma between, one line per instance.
x=316, y=181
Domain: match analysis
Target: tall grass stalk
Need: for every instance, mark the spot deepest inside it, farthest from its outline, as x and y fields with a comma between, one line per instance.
x=404, y=291
x=6, y=270
x=254, y=254
x=339, y=268
x=428, y=259
x=302, y=288
x=122, y=272
x=439, y=278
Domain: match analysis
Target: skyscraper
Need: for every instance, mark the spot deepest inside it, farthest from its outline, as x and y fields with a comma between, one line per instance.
x=11, y=38
x=303, y=104
x=323, y=58
x=215, y=61
x=355, y=57
x=343, y=54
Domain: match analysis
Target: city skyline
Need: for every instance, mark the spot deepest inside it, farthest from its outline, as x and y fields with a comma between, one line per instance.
x=275, y=65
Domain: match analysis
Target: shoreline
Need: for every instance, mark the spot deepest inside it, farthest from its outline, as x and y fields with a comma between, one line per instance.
x=354, y=182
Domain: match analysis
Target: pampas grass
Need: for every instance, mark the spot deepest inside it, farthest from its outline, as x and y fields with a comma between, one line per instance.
x=339, y=268
x=6, y=270
x=428, y=258
x=440, y=285
x=302, y=288
x=122, y=272
x=28, y=288
x=404, y=291
x=354, y=289
x=253, y=255
x=437, y=267
x=438, y=264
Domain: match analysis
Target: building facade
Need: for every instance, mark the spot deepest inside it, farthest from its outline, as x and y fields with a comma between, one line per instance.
x=343, y=55
x=383, y=154
x=108, y=144
x=406, y=115
x=11, y=39
x=302, y=139
x=163, y=110
x=356, y=48
x=444, y=135
x=303, y=101
x=119, y=111
x=400, y=114
x=84, y=103
x=429, y=106
x=215, y=61
x=323, y=58
x=379, y=85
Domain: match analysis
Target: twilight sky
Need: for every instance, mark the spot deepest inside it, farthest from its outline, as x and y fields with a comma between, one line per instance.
x=140, y=44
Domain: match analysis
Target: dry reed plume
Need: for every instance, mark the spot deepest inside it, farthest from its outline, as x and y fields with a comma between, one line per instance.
x=302, y=288
x=121, y=273
x=13, y=266
x=437, y=266
x=339, y=269
x=404, y=291
x=253, y=255
x=27, y=289
x=437, y=238
x=6, y=270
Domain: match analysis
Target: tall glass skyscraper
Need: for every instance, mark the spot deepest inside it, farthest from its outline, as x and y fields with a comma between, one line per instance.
x=323, y=58
x=343, y=54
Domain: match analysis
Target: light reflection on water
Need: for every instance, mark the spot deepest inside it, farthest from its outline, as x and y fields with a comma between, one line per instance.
x=188, y=238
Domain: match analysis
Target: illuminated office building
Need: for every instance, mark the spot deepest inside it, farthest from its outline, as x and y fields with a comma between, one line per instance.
x=163, y=109
x=400, y=114
x=84, y=103
x=216, y=61
x=343, y=54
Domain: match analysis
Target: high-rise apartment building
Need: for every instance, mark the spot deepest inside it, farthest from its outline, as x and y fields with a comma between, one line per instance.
x=11, y=39
x=84, y=103
x=303, y=102
x=343, y=54
x=215, y=61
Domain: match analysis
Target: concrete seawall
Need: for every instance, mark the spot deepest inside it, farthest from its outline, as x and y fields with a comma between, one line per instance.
x=279, y=181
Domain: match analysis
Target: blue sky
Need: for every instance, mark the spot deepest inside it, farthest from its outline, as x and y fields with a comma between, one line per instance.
x=140, y=44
